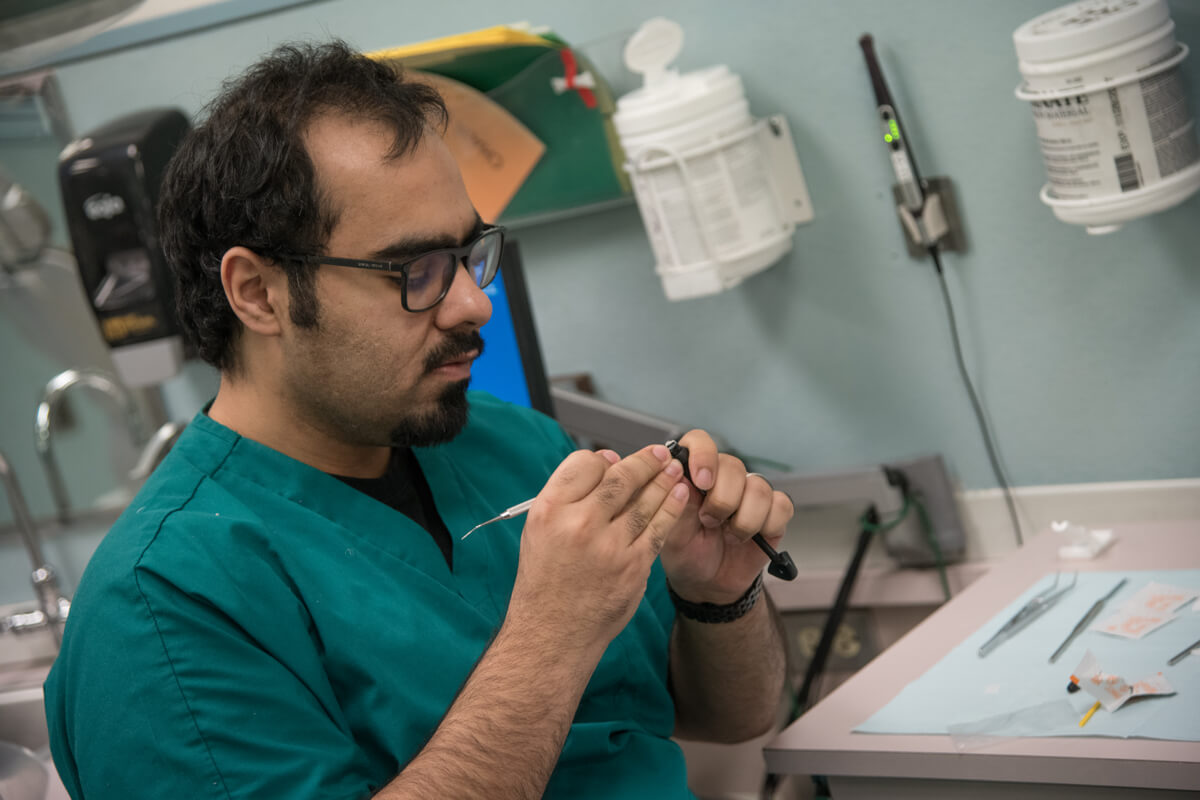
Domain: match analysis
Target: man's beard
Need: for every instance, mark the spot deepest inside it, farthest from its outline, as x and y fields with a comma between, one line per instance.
x=449, y=416
x=440, y=425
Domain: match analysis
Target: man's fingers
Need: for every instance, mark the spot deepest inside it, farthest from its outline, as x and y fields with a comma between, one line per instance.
x=575, y=478
x=624, y=479
x=702, y=459
x=778, y=518
x=654, y=536
x=645, y=504
x=726, y=494
x=754, y=511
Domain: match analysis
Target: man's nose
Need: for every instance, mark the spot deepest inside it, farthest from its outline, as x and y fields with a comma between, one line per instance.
x=465, y=302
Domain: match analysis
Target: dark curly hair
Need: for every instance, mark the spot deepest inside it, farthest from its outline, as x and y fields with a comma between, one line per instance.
x=244, y=177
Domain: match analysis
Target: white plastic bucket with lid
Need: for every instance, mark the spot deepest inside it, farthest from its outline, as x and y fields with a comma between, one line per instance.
x=1111, y=108
x=699, y=172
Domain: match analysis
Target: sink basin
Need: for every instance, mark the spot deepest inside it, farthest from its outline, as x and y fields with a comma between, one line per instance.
x=23, y=722
x=26, y=656
x=22, y=774
x=23, y=717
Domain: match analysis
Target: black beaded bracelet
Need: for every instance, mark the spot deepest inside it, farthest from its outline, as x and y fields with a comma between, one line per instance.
x=711, y=612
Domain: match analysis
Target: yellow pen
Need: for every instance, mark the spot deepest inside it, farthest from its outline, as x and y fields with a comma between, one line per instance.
x=1088, y=715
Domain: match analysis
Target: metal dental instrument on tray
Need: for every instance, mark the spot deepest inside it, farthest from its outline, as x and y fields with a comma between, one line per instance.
x=1180, y=656
x=1092, y=613
x=1038, y=605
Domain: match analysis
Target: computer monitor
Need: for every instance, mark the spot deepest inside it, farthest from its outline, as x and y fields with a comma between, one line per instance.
x=511, y=366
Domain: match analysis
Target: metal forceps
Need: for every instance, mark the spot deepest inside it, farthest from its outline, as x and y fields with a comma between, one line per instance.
x=1038, y=605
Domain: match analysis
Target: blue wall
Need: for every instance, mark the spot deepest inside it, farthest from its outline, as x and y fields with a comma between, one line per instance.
x=1086, y=349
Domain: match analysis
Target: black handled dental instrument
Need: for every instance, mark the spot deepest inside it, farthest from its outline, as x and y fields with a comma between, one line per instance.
x=781, y=565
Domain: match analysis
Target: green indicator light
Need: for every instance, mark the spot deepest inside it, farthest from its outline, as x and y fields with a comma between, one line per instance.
x=894, y=128
x=887, y=137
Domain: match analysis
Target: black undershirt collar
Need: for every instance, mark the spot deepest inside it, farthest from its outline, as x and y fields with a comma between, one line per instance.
x=403, y=488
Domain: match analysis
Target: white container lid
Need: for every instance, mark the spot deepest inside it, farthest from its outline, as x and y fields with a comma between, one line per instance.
x=1086, y=27
x=677, y=100
x=668, y=99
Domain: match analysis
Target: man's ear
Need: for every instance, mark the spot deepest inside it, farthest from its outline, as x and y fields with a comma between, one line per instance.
x=256, y=290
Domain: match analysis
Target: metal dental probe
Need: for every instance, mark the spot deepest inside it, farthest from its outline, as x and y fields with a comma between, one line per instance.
x=508, y=513
x=1175, y=659
x=781, y=565
x=1087, y=620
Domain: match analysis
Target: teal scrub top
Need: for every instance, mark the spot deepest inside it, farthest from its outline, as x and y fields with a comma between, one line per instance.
x=253, y=627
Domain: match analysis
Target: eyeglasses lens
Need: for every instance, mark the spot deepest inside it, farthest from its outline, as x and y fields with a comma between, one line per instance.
x=485, y=258
x=430, y=277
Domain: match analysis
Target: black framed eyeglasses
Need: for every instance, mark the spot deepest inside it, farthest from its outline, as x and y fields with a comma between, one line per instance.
x=425, y=280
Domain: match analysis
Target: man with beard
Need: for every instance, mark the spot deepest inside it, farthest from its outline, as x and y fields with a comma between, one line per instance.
x=286, y=610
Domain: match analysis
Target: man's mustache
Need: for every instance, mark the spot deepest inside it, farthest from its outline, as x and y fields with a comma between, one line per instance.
x=454, y=348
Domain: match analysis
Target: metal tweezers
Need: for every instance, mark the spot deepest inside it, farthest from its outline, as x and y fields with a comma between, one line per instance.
x=1087, y=619
x=1038, y=605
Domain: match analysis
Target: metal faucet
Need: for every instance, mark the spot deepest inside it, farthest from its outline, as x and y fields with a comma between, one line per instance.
x=58, y=386
x=53, y=605
x=156, y=450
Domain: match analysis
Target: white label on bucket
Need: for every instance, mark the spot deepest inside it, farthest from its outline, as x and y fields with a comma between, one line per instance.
x=1125, y=138
x=667, y=214
x=1171, y=127
x=731, y=205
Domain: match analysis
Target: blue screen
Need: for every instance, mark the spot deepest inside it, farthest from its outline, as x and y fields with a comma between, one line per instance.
x=500, y=370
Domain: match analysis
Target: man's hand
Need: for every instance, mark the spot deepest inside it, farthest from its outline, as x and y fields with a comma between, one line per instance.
x=709, y=556
x=590, y=540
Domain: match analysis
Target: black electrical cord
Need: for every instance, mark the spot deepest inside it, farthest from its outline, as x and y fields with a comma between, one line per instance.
x=988, y=444
x=869, y=524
